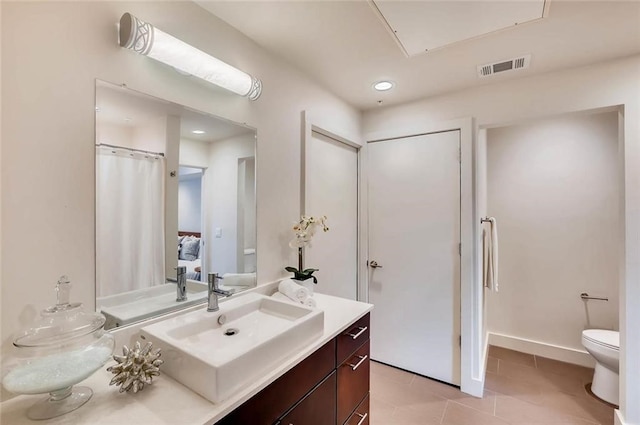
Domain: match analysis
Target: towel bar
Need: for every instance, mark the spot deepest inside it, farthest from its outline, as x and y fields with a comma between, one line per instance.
x=586, y=296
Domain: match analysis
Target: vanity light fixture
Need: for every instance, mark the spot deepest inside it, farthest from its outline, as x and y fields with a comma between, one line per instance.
x=198, y=132
x=144, y=38
x=383, y=85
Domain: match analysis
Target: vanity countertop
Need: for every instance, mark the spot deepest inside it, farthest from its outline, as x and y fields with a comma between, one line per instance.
x=169, y=402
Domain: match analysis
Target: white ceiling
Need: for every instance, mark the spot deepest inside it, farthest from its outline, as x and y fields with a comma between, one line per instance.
x=120, y=106
x=346, y=47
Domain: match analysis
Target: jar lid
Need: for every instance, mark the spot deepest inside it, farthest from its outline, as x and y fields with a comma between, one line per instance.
x=60, y=323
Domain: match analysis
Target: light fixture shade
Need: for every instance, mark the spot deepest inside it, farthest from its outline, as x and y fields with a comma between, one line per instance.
x=144, y=38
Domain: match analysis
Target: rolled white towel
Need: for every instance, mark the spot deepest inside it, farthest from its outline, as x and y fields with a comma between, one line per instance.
x=309, y=302
x=239, y=279
x=294, y=291
x=282, y=297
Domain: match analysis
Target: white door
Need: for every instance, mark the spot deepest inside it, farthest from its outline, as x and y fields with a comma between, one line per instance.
x=331, y=189
x=414, y=235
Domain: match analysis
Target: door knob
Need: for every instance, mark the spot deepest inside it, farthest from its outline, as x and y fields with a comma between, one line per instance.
x=374, y=264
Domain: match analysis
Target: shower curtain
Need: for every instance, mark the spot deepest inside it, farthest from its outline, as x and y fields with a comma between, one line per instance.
x=129, y=220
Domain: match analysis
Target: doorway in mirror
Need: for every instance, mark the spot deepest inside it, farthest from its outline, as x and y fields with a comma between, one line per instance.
x=190, y=242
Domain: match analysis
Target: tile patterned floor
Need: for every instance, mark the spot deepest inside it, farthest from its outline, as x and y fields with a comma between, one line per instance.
x=520, y=389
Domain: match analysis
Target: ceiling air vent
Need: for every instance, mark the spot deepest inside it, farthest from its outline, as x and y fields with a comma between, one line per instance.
x=504, y=66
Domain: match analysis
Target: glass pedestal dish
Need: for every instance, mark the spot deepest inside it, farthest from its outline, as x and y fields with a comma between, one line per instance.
x=66, y=346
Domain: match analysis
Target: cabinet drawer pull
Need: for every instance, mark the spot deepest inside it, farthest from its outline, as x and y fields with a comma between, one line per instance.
x=362, y=329
x=364, y=417
x=357, y=365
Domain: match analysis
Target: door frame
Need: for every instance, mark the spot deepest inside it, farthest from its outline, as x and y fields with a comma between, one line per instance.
x=308, y=127
x=471, y=350
x=203, y=219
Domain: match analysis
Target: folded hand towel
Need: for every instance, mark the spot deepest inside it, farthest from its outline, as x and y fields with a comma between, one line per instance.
x=490, y=255
x=494, y=253
x=239, y=279
x=293, y=290
x=309, y=302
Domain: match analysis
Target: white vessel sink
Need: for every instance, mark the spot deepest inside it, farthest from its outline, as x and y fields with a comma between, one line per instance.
x=214, y=360
x=133, y=306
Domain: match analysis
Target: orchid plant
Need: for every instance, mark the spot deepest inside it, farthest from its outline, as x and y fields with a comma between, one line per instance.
x=304, y=231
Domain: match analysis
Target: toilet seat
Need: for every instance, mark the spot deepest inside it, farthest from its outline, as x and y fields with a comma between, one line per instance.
x=609, y=339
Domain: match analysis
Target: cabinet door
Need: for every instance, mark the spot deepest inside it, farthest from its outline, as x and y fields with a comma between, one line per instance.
x=279, y=397
x=352, y=338
x=353, y=382
x=360, y=416
x=317, y=408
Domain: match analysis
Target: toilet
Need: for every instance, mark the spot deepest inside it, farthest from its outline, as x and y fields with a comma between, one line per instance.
x=604, y=346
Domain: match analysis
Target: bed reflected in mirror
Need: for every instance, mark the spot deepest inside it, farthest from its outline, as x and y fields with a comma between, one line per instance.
x=174, y=187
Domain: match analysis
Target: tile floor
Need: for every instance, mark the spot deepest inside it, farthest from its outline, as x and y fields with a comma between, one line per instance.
x=520, y=389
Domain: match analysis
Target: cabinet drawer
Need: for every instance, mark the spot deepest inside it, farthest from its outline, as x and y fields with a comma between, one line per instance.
x=317, y=408
x=353, y=382
x=352, y=338
x=361, y=415
x=272, y=402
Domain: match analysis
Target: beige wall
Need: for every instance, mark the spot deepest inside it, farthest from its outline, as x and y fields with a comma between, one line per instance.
x=606, y=84
x=170, y=146
x=220, y=193
x=194, y=153
x=152, y=135
x=118, y=135
x=57, y=50
x=552, y=185
x=221, y=183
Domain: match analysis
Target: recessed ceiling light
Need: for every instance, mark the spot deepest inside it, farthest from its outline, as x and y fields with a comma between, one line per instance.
x=127, y=119
x=198, y=131
x=383, y=85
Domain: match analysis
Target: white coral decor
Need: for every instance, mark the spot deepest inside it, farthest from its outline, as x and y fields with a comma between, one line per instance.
x=136, y=367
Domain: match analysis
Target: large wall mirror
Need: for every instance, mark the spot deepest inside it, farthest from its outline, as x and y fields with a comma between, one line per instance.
x=174, y=188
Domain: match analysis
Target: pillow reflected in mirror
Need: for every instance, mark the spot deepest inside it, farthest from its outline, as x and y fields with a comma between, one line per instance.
x=190, y=248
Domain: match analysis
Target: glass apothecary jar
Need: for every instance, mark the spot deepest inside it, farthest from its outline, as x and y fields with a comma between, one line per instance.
x=64, y=347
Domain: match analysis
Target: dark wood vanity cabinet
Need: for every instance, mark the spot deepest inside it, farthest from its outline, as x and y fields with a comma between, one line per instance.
x=352, y=358
x=353, y=382
x=360, y=416
x=331, y=386
x=349, y=341
x=317, y=408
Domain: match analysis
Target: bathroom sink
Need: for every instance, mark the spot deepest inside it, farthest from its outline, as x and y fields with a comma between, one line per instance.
x=133, y=306
x=217, y=353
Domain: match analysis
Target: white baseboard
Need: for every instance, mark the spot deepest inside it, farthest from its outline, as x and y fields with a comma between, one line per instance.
x=618, y=418
x=556, y=352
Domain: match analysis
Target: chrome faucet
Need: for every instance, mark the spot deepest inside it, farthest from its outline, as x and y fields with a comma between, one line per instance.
x=181, y=283
x=215, y=291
